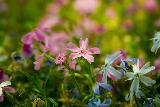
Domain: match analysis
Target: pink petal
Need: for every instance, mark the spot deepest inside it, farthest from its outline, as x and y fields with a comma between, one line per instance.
x=1, y=98
x=72, y=65
x=89, y=58
x=37, y=63
x=72, y=47
x=94, y=50
x=84, y=43
x=9, y=89
x=111, y=76
x=28, y=38
x=39, y=35
x=74, y=55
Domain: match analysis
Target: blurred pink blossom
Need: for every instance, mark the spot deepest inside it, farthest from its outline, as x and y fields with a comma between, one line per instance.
x=111, y=13
x=82, y=51
x=157, y=65
x=49, y=21
x=72, y=65
x=86, y=6
x=38, y=62
x=56, y=42
x=150, y=5
x=36, y=34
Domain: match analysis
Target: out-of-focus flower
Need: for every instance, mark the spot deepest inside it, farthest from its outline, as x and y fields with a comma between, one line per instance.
x=150, y=5
x=110, y=12
x=37, y=63
x=27, y=50
x=127, y=24
x=3, y=6
x=37, y=34
x=60, y=59
x=99, y=86
x=72, y=65
x=157, y=65
x=82, y=51
x=98, y=29
x=131, y=8
x=120, y=58
x=49, y=21
x=138, y=75
x=94, y=102
x=86, y=6
x=4, y=86
x=56, y=43
x=156, y=42
x=107, y=68
x=3, y=76
x=157, y=23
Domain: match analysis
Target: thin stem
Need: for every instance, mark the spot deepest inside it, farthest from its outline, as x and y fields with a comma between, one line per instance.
x=136, y=101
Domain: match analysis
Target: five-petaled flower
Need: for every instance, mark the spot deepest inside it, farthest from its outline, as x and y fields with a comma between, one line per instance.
x=138, y=75
x=82, y=51
x=60, y=58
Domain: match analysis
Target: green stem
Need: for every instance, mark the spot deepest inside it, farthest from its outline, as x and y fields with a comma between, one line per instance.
x=136, y=101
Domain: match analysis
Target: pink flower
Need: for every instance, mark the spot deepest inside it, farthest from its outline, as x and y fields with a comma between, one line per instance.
x=27, y=50
x=150, y=5
x=56, y=42
x=157, y=65
x=86, y=6
x=37, y=34
x=82, y=51
x=60, y=59
x=3, y=77
x=72, y=65
x=38, y=62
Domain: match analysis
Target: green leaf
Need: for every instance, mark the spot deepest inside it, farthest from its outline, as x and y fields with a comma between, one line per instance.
x=53, y=101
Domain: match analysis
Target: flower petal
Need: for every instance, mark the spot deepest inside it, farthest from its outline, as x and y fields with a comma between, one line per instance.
x=147, y=81
x=28, y=38
x=39, y=35
x=84, y=43
x=94, y=50
x=73, y=47
x=1, y=98
x=89, y=58
x=74, y=55
x=9, y=89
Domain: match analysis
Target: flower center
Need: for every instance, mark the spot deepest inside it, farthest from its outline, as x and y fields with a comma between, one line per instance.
x=83, y=52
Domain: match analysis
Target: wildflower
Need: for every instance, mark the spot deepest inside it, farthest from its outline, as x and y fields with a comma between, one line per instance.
x=99, y=86
x=156, y=42
x=83, y=51
x=37, y=34
x=107, y=68
x=138, y=75
x=60, y=58
x=4, y=86
x=83, y=7
x=38, y=62
x=94, y=102
x=157, y=65
x=72, y=65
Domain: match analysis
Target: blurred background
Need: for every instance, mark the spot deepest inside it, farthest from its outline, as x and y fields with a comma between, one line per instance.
x=110, y=25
